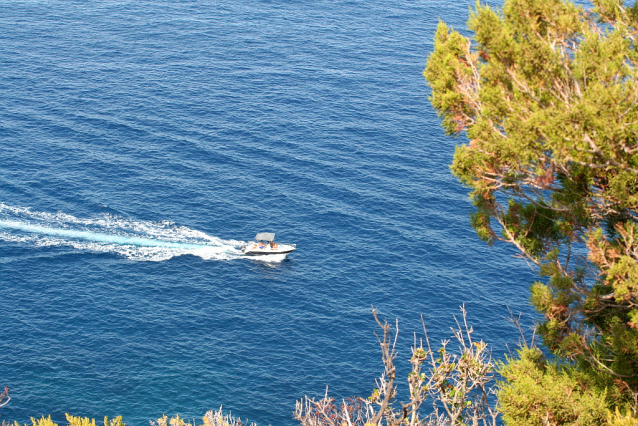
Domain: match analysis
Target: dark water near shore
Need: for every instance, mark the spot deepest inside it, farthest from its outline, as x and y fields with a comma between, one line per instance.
x=186, y=127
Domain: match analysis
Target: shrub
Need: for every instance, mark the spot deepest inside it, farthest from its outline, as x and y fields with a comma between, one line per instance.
x=541, y=393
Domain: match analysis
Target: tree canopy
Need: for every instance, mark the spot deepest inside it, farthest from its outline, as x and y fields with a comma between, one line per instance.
x=546, y=93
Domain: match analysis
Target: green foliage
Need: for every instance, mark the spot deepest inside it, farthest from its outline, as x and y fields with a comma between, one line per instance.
x=114, y=422
x=539, y=393
x=85, y=421
x=76, y=421
x=211, y=418
x=547, y=94
x=44, y=421
x=617, y=419
x=80, y=421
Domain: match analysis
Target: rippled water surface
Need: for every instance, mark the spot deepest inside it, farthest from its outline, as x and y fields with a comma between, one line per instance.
x=144, y=142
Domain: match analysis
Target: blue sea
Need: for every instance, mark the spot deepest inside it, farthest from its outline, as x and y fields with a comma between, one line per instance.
x=143, y=142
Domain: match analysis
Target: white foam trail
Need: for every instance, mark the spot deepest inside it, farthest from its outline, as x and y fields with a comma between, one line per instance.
x=138, y=240
x=92, y=236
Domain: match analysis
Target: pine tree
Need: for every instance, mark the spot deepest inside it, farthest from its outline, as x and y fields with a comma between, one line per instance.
x=546, y=93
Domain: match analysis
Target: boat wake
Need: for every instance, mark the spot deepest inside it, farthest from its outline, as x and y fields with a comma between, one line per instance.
x=132, y=239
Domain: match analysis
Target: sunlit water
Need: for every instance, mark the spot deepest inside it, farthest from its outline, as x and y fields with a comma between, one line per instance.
x=144, y=142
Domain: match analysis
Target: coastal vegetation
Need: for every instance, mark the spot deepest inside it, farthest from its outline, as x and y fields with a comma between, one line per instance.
x=546, y=93
x=211, y=418
x=459, y=383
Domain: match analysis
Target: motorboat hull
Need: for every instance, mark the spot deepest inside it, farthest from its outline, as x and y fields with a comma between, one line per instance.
x=266, y=250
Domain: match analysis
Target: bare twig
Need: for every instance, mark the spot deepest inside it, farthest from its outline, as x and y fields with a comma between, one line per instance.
x=460, y=383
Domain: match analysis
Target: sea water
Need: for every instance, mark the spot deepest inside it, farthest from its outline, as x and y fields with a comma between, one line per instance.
x=143, y=142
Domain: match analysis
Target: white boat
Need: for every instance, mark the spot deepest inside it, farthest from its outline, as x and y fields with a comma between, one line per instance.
x=265, y=244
